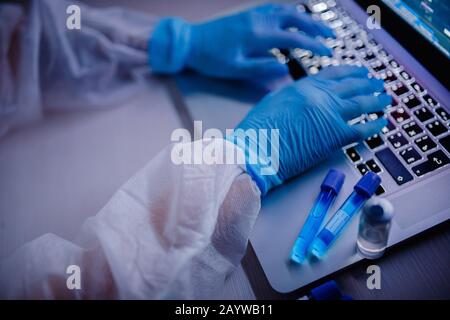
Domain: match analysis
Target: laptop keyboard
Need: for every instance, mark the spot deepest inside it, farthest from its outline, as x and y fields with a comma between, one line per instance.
x=416, y=141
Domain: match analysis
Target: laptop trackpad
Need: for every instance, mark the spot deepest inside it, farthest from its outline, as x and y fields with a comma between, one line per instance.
x=422, y=202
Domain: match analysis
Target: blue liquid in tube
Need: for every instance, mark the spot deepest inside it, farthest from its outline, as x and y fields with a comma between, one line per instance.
x=330, y=187
x=363, y=190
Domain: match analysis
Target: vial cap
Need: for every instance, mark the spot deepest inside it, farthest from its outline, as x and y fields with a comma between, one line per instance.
x=333, y=180
x=379, y=209
x=368, y=184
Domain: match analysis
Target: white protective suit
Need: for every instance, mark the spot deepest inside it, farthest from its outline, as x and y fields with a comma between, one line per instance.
x=172, y=231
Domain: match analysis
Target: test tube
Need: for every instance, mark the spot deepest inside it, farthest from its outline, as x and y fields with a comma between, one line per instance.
x=363, y=190
x=329, y=189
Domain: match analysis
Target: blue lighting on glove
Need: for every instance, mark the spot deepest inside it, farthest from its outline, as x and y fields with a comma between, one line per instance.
x=312, y=117
x=235, y=46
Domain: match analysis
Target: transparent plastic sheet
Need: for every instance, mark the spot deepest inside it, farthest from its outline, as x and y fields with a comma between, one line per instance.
x=172, y=231
x=47, y=67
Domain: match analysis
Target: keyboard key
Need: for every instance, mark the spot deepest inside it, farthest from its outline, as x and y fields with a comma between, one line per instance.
x=380, y=190
x=436, y=160
x=327, y=15
x=425, y=143
x=358, y=120
x=430, y=101
x=390, y=126
x=394, y=64
x=352, y=36
x=436, y=128
x=369, y=56
x=412, y=129
x=395, y=168
x=359, y=45
x=375, y=115
x=445, y=142
x=362, y=168
x=374, y=141
x=319, y=7
x=399, y=89
x=388, y=76
x=336, y=24
x=377, y=66
x=417, y=88
x=333, y=43
x=411, y=101
x=423, y=168
x=373, y=166
x=372, y=42
x=314, y=69
x=397, y=140
x=443, y=114
x=410, y=155
x=423, y=114
x=344, y=29
x=400, y=115
x=382, y=53
x=348, y=57
x=405, y=75
x=353, y=154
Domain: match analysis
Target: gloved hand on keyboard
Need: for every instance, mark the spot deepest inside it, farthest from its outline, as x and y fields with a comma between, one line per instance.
x=311, y=116
x=235, y=46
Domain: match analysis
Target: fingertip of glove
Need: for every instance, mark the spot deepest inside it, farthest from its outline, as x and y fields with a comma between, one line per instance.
x=385, y=99
x=328, y=32
x=377, y=84
x=325, y=51
x=383, y=122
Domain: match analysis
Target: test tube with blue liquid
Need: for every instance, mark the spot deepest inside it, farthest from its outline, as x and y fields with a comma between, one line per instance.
x=363, y=190
x=329, y=189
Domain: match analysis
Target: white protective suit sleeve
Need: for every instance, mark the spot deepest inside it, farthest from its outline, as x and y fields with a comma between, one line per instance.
x=44, y=66
x=172, y=231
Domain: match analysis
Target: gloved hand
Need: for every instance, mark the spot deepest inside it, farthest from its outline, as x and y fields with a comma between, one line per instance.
x=235, y=46
x=311, y=116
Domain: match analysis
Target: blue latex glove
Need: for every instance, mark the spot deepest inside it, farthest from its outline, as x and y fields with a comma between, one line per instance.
x=311, y=116
x=235, y=46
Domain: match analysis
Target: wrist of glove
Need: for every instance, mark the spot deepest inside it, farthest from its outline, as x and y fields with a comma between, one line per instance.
x=169, y=46
x=261, y=155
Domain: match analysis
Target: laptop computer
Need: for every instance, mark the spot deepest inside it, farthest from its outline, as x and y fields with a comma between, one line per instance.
x=412, y=155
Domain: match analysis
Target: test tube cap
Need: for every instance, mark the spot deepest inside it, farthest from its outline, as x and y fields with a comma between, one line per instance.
x=333, y=180
x=327, y=291
x=368, y=184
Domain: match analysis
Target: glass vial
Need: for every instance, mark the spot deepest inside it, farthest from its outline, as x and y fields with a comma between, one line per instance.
x=374, y=226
